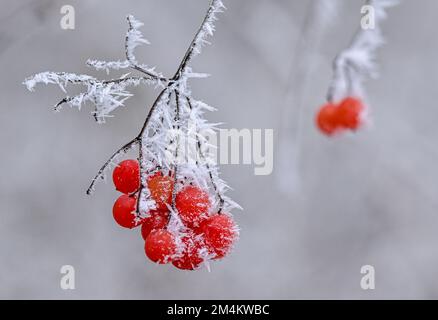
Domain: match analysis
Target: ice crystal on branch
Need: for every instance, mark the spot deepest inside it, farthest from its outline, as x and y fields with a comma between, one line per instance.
x=358, y=62
x=174, y=117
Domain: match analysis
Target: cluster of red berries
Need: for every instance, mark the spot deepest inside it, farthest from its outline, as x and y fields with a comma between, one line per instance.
x=335, y=118
x=205, y=236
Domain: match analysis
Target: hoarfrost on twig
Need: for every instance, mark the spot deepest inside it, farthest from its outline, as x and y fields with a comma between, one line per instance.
x=174, y=115
x=358, y=62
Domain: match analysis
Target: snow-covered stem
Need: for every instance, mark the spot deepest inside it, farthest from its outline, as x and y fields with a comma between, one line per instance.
x=206, y=29
x=356, y=63
x=110, y=161
x=177, y=141
x=133, y=39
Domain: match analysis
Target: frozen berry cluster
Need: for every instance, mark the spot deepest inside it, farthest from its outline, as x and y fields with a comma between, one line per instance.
x=206, y=235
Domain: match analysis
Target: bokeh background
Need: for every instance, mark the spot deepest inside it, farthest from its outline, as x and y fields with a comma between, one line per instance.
x=368, y=198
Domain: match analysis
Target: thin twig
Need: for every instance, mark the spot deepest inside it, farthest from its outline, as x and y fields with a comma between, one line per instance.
x=176, y=155
x=100, y=174
x=134, y=64
x=95, y=83
x=190, y=51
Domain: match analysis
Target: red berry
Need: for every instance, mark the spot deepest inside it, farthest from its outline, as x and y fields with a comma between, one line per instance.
x=124, y=211
x=350, y=113
x=327, y=119
x=191, y=257
x=126, y=176
x=220, y=232
x=161, y=187
x=193, y=205
x=156, y=220
x=160, y=246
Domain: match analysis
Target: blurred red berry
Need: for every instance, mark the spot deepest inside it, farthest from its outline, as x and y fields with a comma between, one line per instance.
x=126, y=176
x=193, y=205
x=156, y=220
x=220, y=232
x=161, y=187
x=124, y=211
x=191, y=257
x=160, y=246
x=327, y=119
x=350, y=113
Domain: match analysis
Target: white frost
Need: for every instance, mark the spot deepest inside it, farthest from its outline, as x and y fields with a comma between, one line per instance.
x=358, y=62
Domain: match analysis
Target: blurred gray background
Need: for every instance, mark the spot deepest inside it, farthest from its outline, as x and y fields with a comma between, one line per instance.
x=368, y=198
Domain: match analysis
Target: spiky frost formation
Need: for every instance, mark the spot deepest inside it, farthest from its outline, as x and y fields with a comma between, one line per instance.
x=358, y=62
x=175, y=117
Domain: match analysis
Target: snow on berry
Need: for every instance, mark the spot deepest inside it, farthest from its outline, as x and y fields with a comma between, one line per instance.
x=124, y=212
x=156, y=220
x=160, y=246
x=220, y=232
x=168, y=205
x=193, y=252
x=160, y=187
x=193, y=205
x=126, y=176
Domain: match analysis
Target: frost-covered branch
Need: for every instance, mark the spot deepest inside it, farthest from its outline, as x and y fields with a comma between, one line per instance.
x=206, y=29
x=170, y=119
x=358, y=62
x=105, y=95
x=177, y=141
x=133, y=39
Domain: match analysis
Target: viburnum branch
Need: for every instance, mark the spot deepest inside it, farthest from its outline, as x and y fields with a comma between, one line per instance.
x=162, y=117
x=178, y=218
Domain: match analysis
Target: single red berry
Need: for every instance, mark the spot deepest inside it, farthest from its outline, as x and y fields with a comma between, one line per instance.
x=350, y=113
x=124, y=211
x=220, y=232
x=191, y=257
x=327, y=119
x=161, y=187
x=193, y=205
x=126, y=176
x=156, y=220
x=160, y=246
